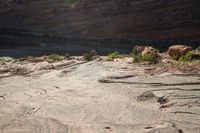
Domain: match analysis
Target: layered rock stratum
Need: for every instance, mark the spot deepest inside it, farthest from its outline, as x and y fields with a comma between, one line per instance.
x=138, y=19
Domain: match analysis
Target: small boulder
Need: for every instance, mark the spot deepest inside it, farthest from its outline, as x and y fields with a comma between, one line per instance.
x=146, y=50
x=150, y=96
x=146, y=96
x=176, y=51
x=145, y=53
x=150, y=51
x=140, y=48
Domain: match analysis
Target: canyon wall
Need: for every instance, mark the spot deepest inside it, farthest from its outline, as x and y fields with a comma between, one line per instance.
x=133, y=19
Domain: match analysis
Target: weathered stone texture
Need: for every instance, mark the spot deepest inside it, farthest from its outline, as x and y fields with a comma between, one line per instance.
x=138, y=19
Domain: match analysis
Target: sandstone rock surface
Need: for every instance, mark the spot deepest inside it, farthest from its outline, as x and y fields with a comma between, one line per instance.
x=96, y=97
x=150, y=51
x=176, y=51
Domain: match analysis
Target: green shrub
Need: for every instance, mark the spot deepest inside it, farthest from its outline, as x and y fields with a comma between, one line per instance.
x=6, y=59
x=90, y=55
x=113, y=55
x=67, y=56
x=150, y=58
x=175, y=57
x=135, y=51
x=186, y=57
x=136, y=55
x=55, y=57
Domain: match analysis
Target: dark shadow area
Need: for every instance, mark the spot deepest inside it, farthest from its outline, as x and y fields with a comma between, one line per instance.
x=25, y=43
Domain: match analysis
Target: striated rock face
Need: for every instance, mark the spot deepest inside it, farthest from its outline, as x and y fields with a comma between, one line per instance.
x=138, y=19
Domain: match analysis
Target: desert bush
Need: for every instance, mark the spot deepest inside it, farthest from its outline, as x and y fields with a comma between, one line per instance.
x=186, y=57
x=55, y=57
x=90, y=55
x=67, y=56
x=150, y=58
x=6, y=59
x=139, y=57
x=175, y=57
x=113, y=55
x=136, y=55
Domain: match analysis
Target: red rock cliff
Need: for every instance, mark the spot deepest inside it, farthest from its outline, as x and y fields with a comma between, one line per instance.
x=136, y=19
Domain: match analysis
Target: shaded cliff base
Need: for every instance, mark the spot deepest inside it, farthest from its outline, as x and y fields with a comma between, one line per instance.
x=17, y=43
